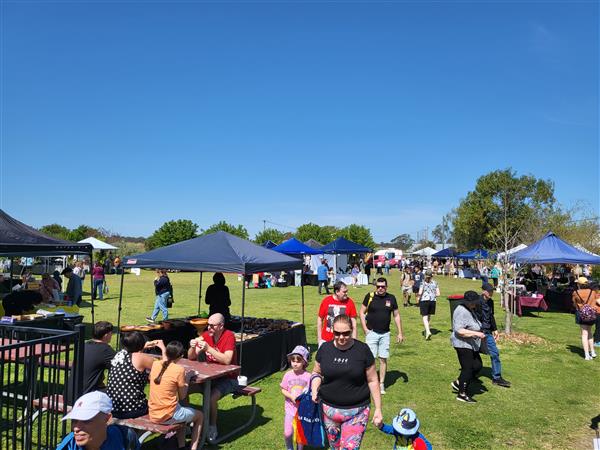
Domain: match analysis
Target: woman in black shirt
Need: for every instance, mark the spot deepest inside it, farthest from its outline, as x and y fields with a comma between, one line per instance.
x=217, y=297
x=346, y=381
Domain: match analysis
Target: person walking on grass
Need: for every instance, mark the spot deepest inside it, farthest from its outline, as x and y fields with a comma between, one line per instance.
x=163, y=290
x=294, y=382
x=376, y=312
x=428, y=293
x=322, y=276
x=407, y=285
x=485, y=314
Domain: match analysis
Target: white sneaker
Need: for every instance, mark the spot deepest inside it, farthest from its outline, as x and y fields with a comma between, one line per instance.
x=593, y=354
x=212, y=434
x=382, y=389
x=588, y=357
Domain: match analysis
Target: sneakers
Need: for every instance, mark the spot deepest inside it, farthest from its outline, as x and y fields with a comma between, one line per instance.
x=212, y=434
x=588, y=357
x=382, y=388
x=501, y=382
x=593, y=354
x=454, y=385
x=149, y=319
x=428, y=336
x=465, y=398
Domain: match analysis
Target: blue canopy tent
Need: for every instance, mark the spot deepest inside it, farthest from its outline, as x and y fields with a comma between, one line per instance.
x=343, y=246
x=269, y=244
x=553, y=250
x=294, y=247
x=215, y=252
x=445, y=253
x=478, y=253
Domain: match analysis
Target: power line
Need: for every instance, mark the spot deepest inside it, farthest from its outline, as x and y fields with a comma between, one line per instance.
x=265, y=221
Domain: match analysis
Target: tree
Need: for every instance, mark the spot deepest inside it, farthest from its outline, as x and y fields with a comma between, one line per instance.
x=359, y=234
x=172, y=232
x=524, y=200
x=270, y=234
x=403, y=241
x=324, y=235
x=239, y=230
x=441, y=233
x=82, y=232
x=56, y=230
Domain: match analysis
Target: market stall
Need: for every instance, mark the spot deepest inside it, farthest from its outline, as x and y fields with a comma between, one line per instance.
x=215, y=252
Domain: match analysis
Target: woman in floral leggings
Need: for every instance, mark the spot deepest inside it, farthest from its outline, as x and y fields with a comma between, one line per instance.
x=346, y=381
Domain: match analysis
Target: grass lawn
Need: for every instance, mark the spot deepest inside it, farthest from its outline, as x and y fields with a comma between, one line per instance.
x=554, y=396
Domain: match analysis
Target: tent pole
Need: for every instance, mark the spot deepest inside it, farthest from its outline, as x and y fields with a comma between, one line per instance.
x=243, y=315
x=92, y=284
x=200, y=294
x=11, y=273
x=119, y=311
x=302, y=286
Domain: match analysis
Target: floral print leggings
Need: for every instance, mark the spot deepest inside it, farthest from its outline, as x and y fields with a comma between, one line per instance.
x=345, y=427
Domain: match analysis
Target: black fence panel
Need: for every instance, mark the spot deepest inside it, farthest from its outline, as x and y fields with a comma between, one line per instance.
x=39, y=377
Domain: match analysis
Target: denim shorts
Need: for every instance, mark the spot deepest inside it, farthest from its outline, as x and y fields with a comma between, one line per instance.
x=226, y=385
x=379, y=343
x=182, y=414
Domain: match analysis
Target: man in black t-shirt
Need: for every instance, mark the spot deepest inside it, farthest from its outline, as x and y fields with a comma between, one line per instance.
x=97, y=357
x=376, y=312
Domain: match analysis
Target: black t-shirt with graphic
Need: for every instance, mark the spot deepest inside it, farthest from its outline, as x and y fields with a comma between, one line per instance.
x=344, y=375
x=379, y=312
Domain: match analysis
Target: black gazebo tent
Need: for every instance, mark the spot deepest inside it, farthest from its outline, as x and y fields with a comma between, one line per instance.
x=215, y=252
x=18, y=239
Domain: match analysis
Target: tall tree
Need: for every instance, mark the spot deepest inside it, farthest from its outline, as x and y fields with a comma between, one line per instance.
x=56, y=230
x=324, y=235
x=172, y=232
x=82, y=232
x=238, y=230
x=501, y=197
x=270, y=234
x=403, y=241
x=359, y=234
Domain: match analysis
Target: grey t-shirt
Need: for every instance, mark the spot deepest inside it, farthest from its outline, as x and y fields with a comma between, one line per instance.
x=463, y=318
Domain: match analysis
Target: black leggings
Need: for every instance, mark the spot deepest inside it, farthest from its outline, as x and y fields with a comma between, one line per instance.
x=470, y=365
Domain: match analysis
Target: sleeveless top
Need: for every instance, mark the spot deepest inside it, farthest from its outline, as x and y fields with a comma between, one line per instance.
x=126, y=384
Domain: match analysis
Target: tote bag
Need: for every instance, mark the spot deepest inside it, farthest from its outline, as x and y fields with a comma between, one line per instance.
x=308, y=422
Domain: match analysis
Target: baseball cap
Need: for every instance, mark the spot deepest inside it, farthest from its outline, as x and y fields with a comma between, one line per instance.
x=87, y=406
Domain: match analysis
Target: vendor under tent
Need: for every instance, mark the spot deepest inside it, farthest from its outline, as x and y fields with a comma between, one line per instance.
x=293, y=247
x=215, y=252
x=478, y=253
x=553, y=250
x=18, y=239
x=97, y=244
x=445, y=253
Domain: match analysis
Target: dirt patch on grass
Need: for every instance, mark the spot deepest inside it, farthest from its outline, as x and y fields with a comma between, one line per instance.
x=522, y=338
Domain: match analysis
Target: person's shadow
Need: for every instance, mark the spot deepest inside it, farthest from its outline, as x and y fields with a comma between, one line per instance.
x=394, y=375
x=576, y=349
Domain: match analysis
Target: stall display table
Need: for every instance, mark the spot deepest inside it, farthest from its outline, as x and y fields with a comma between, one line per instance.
x=530, y=302
x=262, y=356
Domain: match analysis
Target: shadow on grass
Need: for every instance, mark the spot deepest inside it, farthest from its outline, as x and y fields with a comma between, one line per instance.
x=394, y=375
x=435, y=331
x=594, y=422
x=575, y=349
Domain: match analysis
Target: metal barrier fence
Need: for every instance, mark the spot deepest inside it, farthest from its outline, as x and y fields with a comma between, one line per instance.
x=40, y=370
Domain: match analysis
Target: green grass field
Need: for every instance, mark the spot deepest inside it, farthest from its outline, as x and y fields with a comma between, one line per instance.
x=555, y=393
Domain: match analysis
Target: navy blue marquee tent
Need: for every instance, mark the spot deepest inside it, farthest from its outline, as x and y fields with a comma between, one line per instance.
x=445, y=253
x=344, y=246
x=215, y=252
x=269, y=244
x=553, y=250
x=294, y=247
x=478, y=253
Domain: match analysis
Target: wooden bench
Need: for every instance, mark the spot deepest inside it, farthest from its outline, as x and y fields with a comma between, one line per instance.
x=148, y=427
x=247, y=391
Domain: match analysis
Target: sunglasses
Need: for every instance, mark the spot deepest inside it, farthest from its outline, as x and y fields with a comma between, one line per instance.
x=342, y=333
x=380, y=286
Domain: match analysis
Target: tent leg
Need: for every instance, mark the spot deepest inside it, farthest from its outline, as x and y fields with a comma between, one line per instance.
x=200, y=294
x=118, y=346
x=92, y=285
x=242, y=328
x=302, y=285
x=12, y=263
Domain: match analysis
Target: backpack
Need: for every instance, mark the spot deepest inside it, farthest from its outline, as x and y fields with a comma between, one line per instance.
x=586, y=312
x=308, y=421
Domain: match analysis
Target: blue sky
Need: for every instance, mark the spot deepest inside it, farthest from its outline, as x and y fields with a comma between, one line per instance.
x=128, y=114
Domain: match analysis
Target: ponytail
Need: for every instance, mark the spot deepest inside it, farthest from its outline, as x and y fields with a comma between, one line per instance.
x=173, y=352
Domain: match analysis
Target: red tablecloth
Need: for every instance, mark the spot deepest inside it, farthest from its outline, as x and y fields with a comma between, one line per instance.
x=531, y=302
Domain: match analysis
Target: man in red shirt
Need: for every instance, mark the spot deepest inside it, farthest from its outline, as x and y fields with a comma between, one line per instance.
x=218, y=344
x=331, y=307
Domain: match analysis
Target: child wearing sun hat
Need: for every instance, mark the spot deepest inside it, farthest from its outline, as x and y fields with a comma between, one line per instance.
x=405, y=428
x=295, y=382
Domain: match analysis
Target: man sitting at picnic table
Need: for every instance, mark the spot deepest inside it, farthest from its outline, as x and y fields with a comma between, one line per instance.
x=218, y=344
x=90, y=419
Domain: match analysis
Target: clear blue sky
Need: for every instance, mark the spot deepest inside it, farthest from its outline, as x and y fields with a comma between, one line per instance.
x=128, y=114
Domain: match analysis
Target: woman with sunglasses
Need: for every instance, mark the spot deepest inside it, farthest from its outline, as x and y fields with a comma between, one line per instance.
x=344, y=380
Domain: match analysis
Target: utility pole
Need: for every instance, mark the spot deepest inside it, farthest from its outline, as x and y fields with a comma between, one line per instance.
x=264, y=224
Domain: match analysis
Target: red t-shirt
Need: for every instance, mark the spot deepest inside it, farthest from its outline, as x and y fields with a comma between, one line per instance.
x=225, y=343
x=331, y=308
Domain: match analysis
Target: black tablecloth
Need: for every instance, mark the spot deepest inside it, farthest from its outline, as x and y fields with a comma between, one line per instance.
x=261, y=356
x=52, y=323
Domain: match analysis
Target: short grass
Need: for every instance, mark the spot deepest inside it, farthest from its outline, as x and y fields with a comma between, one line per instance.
x=554, y=396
